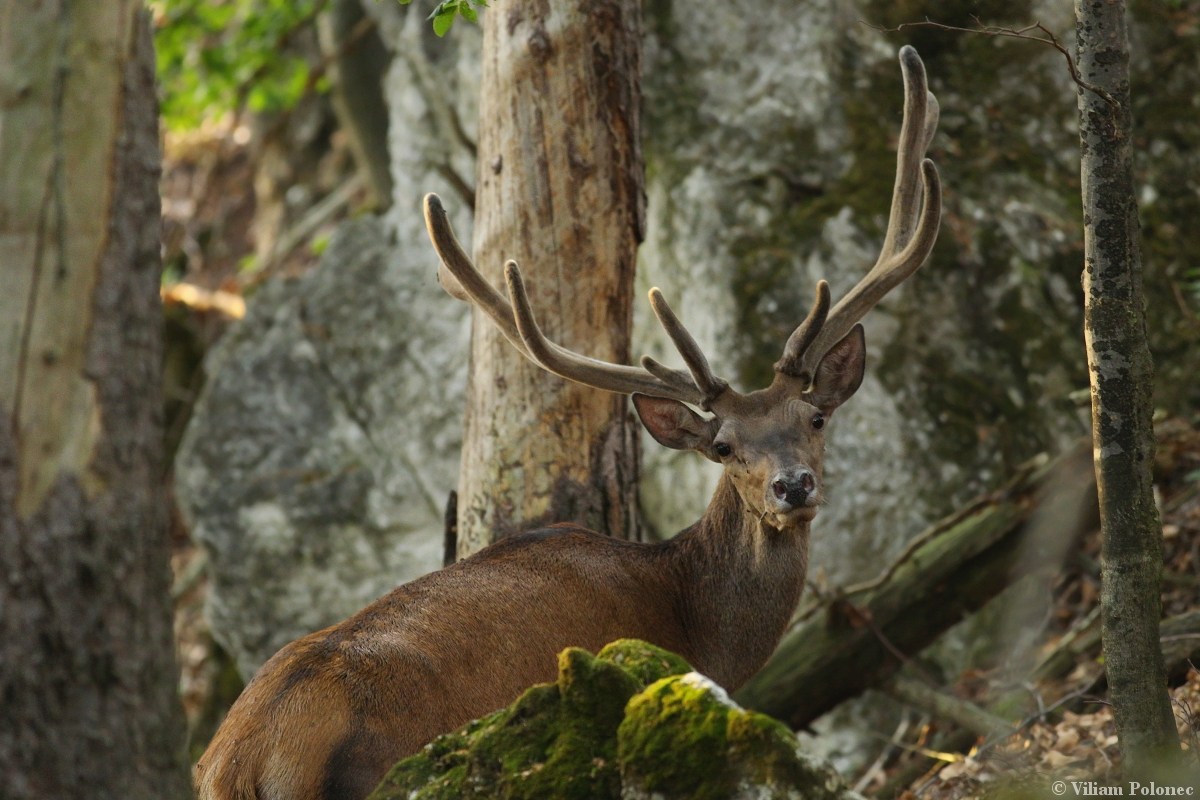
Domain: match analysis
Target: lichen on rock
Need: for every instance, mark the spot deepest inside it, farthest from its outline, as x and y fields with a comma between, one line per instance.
x=631, y=722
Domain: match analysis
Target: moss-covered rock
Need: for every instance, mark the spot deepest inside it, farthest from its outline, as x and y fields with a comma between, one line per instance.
x=684, y=738
x=632, y=722
x=557, y=740
x=645, y=662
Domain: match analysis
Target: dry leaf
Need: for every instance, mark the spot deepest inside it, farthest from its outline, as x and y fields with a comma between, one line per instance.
x=1067, y=738
x=957, y=769
x=1053, y=759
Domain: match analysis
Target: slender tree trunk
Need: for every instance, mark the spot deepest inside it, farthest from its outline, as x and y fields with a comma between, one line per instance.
x=559, y=190
x=1121, y=373
x=88, y=703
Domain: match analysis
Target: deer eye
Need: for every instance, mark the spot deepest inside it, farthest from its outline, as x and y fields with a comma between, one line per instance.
x=818, y=421
x=722, y=449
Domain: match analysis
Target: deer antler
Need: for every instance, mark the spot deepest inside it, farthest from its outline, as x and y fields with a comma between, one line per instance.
x=515, y=319
x=911, y=232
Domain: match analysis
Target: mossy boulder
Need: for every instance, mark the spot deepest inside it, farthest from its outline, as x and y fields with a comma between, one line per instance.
x=645, y=662
x=631, y=722
x=684, y=738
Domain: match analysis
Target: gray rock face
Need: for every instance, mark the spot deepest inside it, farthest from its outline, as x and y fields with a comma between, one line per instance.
x=310, y=493
x=317, y=465
x=771, y=155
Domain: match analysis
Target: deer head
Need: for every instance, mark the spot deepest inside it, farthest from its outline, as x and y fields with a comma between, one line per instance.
x=771, y=440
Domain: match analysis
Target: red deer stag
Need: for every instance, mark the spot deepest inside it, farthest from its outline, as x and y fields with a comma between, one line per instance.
x=331, y=712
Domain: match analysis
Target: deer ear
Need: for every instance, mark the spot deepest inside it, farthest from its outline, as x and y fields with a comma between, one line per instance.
x=673, y=424
x=840, y=372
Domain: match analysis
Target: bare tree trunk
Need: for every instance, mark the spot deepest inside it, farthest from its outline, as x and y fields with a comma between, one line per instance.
x=88, y=704
x=559, y=190
x=1121, y=372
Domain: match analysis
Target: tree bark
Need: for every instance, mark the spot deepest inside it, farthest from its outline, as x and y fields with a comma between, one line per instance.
x=1122, y=405
x=560, y=190
x=88, y=704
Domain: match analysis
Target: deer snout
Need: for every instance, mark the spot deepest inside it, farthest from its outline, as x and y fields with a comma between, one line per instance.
x=792, y=488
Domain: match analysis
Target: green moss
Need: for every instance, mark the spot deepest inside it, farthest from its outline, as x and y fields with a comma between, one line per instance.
x=645, y=662
x=673, y=739
x=600, y=732
x=439, y=770
x=557, y=740
x=683, y=738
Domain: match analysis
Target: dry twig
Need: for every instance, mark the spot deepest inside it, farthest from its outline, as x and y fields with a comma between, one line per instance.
x=1010, y=33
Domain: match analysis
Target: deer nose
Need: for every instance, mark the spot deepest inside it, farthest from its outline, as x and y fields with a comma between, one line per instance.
x=793, y=487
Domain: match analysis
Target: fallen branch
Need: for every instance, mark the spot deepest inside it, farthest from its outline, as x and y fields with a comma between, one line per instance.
x=941, y=705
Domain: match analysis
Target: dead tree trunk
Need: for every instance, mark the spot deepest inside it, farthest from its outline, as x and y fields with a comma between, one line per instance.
x=88, y=704
x=1121, y=377
x=560, y=191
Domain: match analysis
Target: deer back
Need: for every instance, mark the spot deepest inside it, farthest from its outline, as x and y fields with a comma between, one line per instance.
x=328, y=714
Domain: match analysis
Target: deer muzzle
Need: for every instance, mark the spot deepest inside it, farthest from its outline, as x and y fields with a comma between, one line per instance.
x=791, y=490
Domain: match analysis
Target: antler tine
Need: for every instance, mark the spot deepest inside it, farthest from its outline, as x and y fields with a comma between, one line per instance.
x=912, y=225
x=709, y=384
x=583, y=369
x=668, y=375
x=921, y=113
x=802, y=338
x=461, y=279
x=458, y=275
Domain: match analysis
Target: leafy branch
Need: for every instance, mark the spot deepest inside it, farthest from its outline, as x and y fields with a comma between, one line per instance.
x=448, y=11
x=217, y=58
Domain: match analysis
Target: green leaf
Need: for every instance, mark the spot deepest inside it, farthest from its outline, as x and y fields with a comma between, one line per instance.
x=446, y=12
x=442, y=22
x=320, y=243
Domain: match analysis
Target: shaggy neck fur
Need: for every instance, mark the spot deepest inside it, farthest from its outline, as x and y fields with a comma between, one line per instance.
x=741, y=597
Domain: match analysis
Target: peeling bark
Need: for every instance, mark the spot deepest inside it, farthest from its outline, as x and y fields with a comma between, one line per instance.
x=560, y=191
x=1122, y=403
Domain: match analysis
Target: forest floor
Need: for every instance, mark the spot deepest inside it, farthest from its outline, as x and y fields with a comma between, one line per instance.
x=1072, y=736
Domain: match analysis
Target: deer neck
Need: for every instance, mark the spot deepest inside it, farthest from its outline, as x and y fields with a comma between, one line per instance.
x=742, y=579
